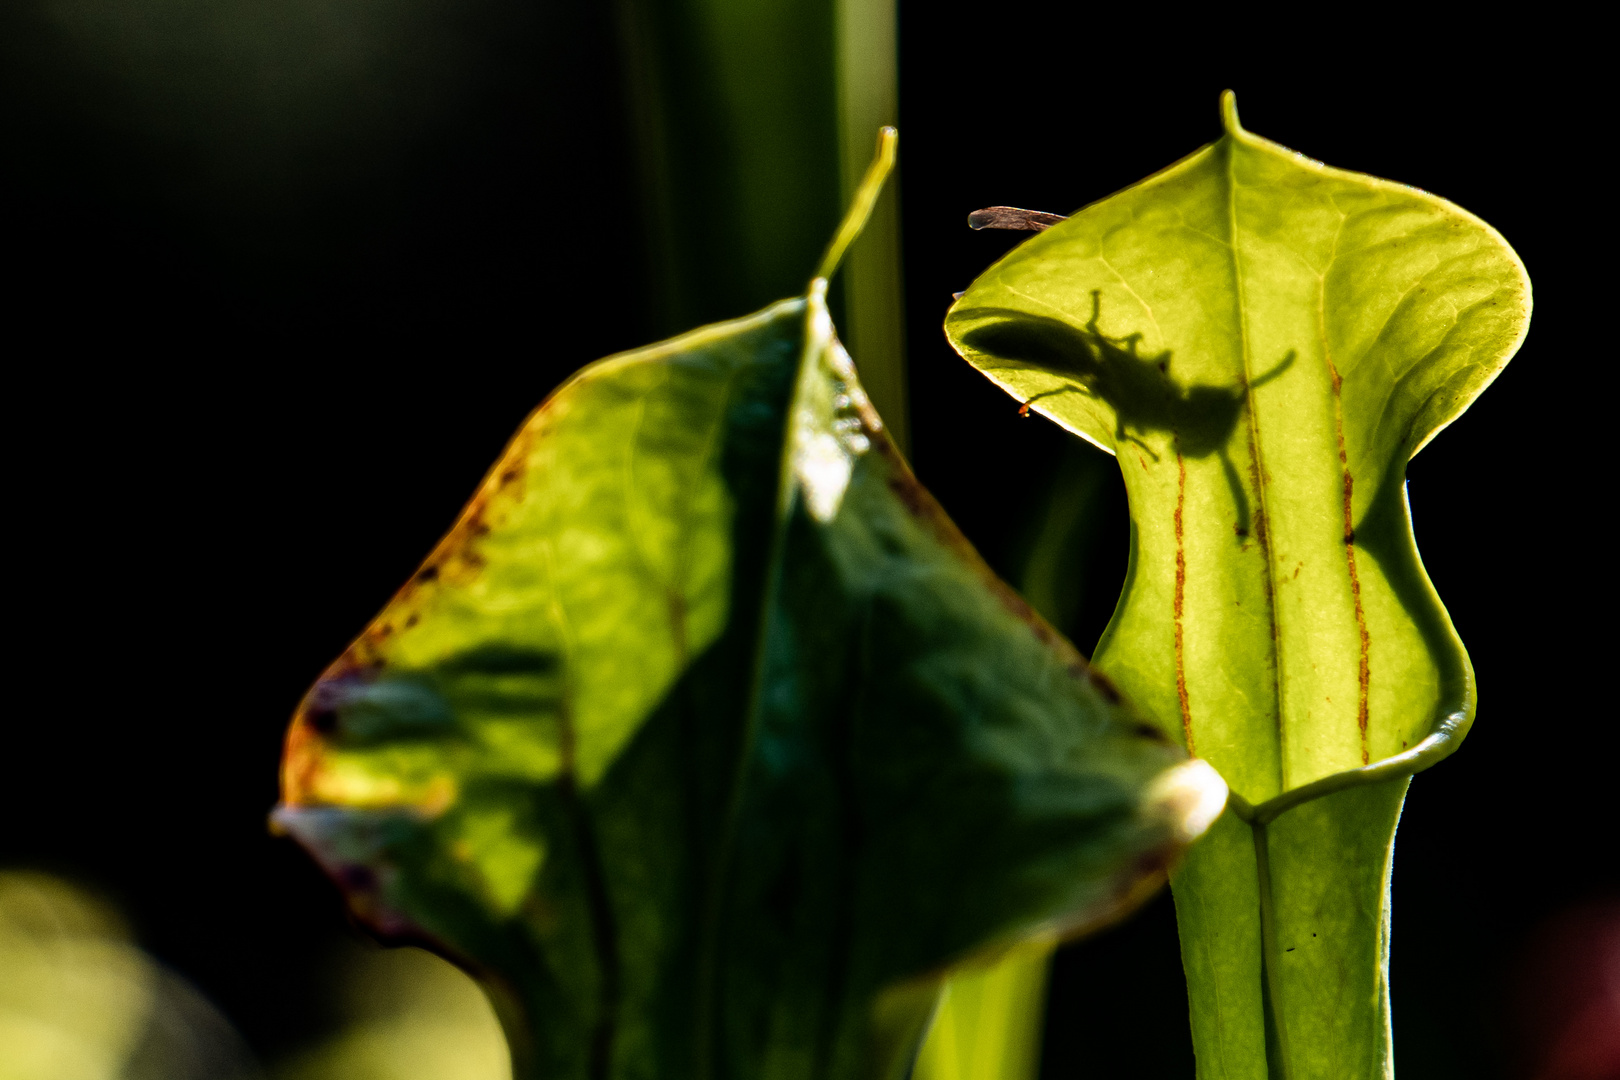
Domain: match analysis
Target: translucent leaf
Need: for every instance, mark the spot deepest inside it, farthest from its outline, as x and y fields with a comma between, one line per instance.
x=1264, y=342
x=707, y=741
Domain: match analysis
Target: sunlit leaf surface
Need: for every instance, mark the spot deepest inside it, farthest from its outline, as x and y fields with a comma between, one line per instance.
x=1264, y=342
x=709, y=743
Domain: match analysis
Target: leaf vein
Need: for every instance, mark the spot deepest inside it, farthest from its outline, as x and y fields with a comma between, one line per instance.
x=1262, y=522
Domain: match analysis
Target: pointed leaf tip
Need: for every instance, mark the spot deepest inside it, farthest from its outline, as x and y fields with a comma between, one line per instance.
x=1229, y=114
x=860, y=207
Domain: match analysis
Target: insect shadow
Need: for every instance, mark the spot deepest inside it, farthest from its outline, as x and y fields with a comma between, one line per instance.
x=1144, y=396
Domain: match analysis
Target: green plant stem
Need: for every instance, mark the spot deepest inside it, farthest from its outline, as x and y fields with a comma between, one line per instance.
x=1276, y=1050
x=873, y=291
x=1287, y=952
x=989, y=1023
x=752, y=126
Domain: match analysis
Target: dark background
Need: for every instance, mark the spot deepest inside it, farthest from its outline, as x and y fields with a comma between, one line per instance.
x=273, y=307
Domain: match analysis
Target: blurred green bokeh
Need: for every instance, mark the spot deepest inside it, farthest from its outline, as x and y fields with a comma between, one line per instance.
x=744, y=128
x=752, y=125
x=410, y=1016
x=79, y=1000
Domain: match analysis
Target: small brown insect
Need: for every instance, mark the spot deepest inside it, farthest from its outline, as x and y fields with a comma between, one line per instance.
x=1012, y=217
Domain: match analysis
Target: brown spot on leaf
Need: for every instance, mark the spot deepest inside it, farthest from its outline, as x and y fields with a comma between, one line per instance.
x=454, y=559
x=1178, y=603
x=1364, y=669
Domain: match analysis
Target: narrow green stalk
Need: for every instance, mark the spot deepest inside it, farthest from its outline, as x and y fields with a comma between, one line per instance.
x=874, y=295
x=863, y=200
x=752, y=126
x=988, y=1026
x=1276, y=1049
x=733, y=114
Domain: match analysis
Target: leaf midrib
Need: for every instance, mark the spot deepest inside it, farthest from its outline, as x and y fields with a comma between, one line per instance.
x=1262, y=517
x=708, y=945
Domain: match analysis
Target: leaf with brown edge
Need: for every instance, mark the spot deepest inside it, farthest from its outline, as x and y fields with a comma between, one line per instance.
x=708, y=742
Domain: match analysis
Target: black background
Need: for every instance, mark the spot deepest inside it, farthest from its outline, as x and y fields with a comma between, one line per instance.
x=261, y=346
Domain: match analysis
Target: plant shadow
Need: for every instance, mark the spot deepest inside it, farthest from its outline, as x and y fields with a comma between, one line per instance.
x=1144, y=396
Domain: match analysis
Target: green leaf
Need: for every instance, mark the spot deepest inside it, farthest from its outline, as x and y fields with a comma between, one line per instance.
x=1264, y=342
x=990, y=1022
x=707, y=741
